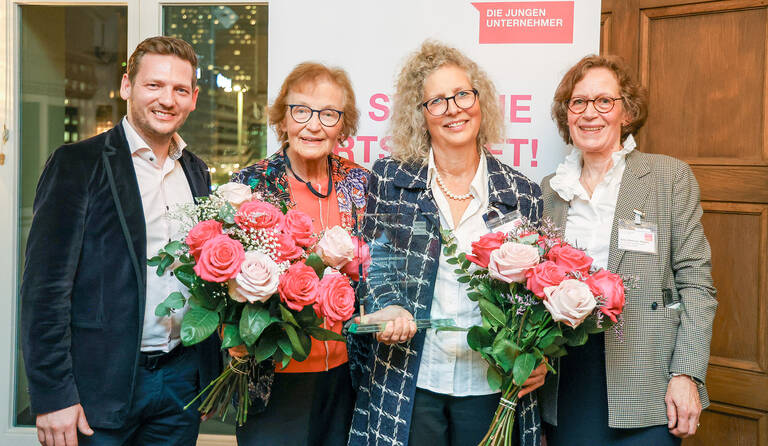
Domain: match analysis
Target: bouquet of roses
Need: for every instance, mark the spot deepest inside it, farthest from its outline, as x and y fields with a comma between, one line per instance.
x=537, y=295
x=258, y=275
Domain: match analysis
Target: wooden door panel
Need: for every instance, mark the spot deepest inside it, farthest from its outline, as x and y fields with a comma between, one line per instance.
x=701, y=107
x=705, y=66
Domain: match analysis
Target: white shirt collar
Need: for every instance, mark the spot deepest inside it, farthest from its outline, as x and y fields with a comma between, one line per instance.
x=136, y=142
x=566, y=180
x=479, y=185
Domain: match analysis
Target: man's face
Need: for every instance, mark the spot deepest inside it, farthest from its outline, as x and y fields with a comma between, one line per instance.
x=160, y=97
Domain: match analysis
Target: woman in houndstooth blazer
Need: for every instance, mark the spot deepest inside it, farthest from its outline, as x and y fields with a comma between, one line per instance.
x=638, y=215
x=427, y=387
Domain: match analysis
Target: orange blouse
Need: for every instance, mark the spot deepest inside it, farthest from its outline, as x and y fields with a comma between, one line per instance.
x=324, y=355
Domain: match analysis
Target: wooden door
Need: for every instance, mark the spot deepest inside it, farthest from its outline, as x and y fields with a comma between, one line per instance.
x=705, y=66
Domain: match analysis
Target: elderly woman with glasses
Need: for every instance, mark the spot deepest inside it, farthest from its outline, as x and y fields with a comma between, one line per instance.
x=427, y=387
x=308, y=402
x=638, y=215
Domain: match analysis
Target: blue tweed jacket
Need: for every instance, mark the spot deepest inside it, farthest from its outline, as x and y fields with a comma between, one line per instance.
x=402, y=228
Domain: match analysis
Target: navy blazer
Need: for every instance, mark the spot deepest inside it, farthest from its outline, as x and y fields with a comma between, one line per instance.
x=84, y=288
x=402, y=227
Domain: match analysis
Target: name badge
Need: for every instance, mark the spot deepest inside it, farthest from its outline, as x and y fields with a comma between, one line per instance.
x=638, y=236
x=496, y=222
x=420, y=227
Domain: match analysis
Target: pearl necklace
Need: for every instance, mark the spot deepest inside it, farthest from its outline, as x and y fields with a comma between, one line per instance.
x=450, y=194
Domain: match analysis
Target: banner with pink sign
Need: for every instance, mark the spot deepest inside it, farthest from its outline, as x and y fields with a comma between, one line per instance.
x=525, y=47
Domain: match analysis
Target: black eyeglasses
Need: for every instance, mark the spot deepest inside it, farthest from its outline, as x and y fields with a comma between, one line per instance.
x=439, y=105
x=301, y=114
x=603, y=104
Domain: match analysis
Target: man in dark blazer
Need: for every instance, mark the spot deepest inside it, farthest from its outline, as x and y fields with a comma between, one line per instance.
x=97, y=358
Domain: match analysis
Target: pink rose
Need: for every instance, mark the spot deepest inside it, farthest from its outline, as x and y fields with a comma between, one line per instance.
x=201, y=233
x=362, y=255
x=336, y=247
x=298, y=286
x=299, y=225
x=481, y=249
x=611, y=287
x=570, y=302
x=220, y=259
x=256, y=214
x=570, y=258
x=287, y=249
x=235, y=193
x=543, y=275
x=336, y=298
x=257, y=280
x=510, y=262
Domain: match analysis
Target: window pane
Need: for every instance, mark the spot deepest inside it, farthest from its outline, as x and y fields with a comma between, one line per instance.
x=228, y=128
x=72, y=59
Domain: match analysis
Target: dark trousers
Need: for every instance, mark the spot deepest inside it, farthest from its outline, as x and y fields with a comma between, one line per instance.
x=304, y=409
x=582, y=405
x=444, y=420
x=157, y=415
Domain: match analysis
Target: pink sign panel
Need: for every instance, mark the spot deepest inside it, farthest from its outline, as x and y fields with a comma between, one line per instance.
x=526, y=22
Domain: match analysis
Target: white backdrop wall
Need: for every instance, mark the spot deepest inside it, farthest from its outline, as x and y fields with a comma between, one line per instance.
x=371, y=39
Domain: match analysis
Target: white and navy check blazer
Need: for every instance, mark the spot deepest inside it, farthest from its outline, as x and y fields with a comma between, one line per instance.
x=656, y=340
x=402, y=228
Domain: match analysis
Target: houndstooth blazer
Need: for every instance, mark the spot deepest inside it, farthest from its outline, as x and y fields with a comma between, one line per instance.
x=656, y=340
x=402, y=228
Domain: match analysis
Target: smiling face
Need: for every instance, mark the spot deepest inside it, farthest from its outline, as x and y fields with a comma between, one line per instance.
x=592, y=131
x=457, y=128
x=311, y=140
x=160, y=97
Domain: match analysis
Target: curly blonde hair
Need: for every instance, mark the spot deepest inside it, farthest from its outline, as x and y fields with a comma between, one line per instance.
x=634, y=96
x=410, y=138
x=308, y=73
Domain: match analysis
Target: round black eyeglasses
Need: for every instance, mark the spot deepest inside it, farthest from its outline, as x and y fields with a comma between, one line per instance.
x=464, y=99
x=301, y=114
x=603, y=104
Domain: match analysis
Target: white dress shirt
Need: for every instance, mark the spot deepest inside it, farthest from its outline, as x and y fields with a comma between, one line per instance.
x=590, y=219
x=161, y=188
x=448, y=365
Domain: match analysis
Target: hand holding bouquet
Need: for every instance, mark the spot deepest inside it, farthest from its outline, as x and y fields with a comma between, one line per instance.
x=258, y=275
x=537, y=295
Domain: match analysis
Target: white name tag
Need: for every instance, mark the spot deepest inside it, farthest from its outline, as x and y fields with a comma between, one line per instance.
x=420, y=227
x=642, y=237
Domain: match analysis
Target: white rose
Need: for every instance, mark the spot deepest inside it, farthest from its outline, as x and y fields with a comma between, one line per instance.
x=336, y=248
x=257, y=280
x=235, y=193
x=570, y=302
x=510, y=262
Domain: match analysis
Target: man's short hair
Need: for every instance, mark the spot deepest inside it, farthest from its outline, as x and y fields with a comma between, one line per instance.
x=162, y=45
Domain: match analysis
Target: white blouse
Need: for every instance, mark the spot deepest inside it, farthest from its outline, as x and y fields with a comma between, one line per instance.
x=590, y=219
x=448, y=365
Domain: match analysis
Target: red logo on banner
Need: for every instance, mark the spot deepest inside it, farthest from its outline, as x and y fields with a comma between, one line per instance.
x=526, y=22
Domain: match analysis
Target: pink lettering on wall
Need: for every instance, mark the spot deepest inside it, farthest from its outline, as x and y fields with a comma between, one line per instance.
x=525, y=22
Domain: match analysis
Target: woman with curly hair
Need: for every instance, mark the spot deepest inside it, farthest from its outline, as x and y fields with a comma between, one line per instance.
x=308, y=402
x=430, y=387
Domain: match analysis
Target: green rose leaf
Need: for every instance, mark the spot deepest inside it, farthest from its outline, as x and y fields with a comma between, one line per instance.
x=464, y=279
x=165, y=262
x=299, y=353
x=452, y=261
x=264, y=349
x=285, y=345
x=287, y=315
x=162, y=310
x=197, y=325
x=321, y=334
x=493, y=314
x=479, y=338
x=523, y=367
x=474, y=296
x=186, y=275
x=231, y=336
x=316, y=263
x=175, y=248
x=575, y=337
x=494, y=378
x=227, y=214
x=505, y=352
x=254, y=320
x=154, y=261
x=307, y=317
